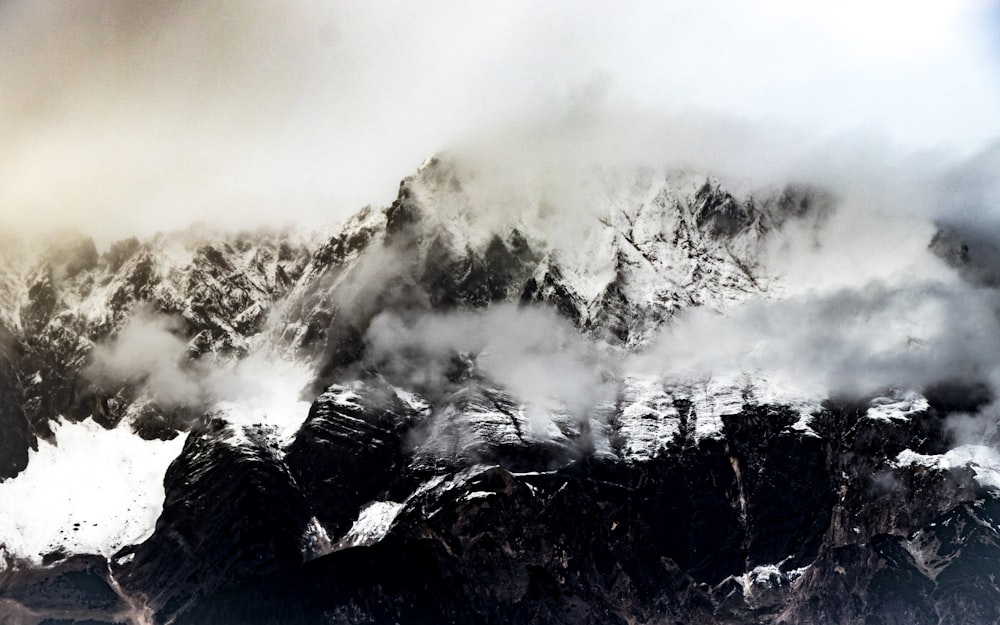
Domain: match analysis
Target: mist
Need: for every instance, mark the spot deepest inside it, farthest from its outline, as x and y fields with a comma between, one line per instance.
x=531, y=352
x=151, y=355
x=857, y=342
x=123, y=118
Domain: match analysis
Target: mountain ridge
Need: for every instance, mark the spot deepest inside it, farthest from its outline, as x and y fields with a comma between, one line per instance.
x=464, y=374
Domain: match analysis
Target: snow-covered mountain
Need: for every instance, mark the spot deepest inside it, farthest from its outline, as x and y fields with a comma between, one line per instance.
x=444, y=412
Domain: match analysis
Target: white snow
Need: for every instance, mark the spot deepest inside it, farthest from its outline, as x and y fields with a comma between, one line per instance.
x=315, y=540
x=794, y=574
x=984, y=462
x=94, y=491
x=599, y=437
x=479, y=494
x=897, y=406
x=374, y=522
x=342, y=395
x=263, y=389
x=723, y=395
x=442, y=484
x=414, y=401
x=648, y=420
x=767, y=576
x=710, y=401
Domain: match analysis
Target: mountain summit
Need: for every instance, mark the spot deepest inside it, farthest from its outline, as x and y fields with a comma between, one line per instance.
x=500, y=399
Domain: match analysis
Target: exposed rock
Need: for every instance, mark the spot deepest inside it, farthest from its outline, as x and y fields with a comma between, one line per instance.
x=15, y=435
x=671, y=501
x=231, y=511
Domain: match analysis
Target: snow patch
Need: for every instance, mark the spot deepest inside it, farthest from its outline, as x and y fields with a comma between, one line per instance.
x=414, y=401
x=93, y=491
x=648, y=420
x=898, y=406
x=767, y=577
x=723, y=395
x=374, y=522
x=479, y=494
x=982, y=460
x=341, y=395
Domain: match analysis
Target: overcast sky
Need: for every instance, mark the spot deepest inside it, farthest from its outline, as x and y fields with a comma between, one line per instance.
x=122, y=117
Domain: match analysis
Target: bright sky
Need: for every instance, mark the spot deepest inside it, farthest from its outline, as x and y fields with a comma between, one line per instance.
x=120, y=117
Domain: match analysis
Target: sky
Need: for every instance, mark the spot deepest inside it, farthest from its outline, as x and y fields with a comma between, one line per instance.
x=120, y=118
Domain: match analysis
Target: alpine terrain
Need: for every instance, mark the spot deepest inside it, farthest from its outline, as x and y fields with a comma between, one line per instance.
x=467, y=407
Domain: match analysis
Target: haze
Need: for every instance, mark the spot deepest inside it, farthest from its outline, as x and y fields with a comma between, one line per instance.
x=120, y=118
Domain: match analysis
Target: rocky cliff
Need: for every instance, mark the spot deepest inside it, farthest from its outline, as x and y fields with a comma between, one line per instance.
x=481, y=445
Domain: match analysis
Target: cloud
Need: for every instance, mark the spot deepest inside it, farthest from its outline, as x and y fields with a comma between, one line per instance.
x=123, y=118
x=858, y=341
x=861, y=304
x=531, y=352
x=150, y=354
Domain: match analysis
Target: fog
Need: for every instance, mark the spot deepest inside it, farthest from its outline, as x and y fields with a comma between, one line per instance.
x=150, y=354
x=535, y=354
x=857, y=342
x=123, y=118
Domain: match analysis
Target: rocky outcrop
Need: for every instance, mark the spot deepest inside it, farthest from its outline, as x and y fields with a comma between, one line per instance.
x=351, y=448
x=232, y=511
x=766, y=522
x=15, y=434
x=430, y=492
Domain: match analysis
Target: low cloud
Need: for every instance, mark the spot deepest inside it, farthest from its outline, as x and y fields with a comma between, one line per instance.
x=854, y=341
x=536, y=355
x=151, y=355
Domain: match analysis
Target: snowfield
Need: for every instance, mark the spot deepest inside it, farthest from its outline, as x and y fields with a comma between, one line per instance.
x=93, y=491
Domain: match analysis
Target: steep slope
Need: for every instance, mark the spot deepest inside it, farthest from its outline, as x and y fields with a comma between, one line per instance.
x=482, y=446
x=62, y=299
x=764, y=523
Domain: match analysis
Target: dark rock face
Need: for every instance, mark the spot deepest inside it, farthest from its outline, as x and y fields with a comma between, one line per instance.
x=942, y=572
x=231, y=511
x=719, y=214
x=350, y=449
x=492, y=549
x=763, y=524
x=15, y=435
x=787, y=509
x=396, y=503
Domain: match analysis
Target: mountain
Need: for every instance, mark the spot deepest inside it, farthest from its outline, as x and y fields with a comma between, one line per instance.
x=487, y=438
